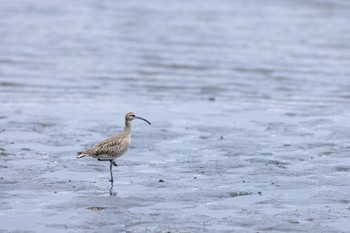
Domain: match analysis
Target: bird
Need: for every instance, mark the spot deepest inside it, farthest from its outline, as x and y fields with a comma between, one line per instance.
x=112, y=148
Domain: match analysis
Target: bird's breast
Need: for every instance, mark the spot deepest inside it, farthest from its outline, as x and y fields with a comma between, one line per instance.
x=129, y=139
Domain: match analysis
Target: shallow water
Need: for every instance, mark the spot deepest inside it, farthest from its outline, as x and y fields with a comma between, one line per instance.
x=249, y=104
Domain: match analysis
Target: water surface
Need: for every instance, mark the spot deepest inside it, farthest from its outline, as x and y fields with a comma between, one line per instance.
x=249, y=104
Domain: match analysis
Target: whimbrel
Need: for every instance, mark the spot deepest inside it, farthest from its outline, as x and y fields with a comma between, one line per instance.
x=113, y=147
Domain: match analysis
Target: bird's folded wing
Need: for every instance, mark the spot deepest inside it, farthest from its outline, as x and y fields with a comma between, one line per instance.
x=111, y=147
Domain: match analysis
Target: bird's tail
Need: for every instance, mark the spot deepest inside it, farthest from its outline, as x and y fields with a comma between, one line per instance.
x=81, y=155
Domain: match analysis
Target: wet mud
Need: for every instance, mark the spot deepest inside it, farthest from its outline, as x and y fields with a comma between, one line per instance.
x=249, y=104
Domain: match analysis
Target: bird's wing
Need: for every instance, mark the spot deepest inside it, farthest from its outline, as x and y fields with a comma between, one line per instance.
x=110, y=141
x=111, y=146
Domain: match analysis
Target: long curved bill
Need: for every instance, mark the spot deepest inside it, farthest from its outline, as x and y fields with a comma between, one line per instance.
x=143, y=119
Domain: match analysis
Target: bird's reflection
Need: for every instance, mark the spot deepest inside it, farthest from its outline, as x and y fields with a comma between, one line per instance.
x=111, y=191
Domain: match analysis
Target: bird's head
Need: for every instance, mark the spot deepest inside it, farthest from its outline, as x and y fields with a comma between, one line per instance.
x=131, y=116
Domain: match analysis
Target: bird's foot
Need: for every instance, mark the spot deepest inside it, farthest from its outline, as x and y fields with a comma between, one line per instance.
x=114, y=164
x=111, y=191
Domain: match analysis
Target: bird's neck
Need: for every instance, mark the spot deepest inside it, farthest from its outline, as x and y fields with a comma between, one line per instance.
x=127, y=126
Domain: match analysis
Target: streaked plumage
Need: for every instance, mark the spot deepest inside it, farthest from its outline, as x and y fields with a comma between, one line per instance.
x=113, y=147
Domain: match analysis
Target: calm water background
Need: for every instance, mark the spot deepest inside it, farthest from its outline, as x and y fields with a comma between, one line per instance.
x=249, y=103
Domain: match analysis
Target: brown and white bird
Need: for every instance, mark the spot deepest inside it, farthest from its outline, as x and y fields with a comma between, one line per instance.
x=113, y=147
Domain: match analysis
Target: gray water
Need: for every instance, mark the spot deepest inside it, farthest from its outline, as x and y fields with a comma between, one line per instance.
x=249, y=103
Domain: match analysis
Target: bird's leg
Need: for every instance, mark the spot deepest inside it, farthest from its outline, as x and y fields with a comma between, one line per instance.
x=110, y=169
x=114, y=163
x=111, y=192
x=101, y=159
